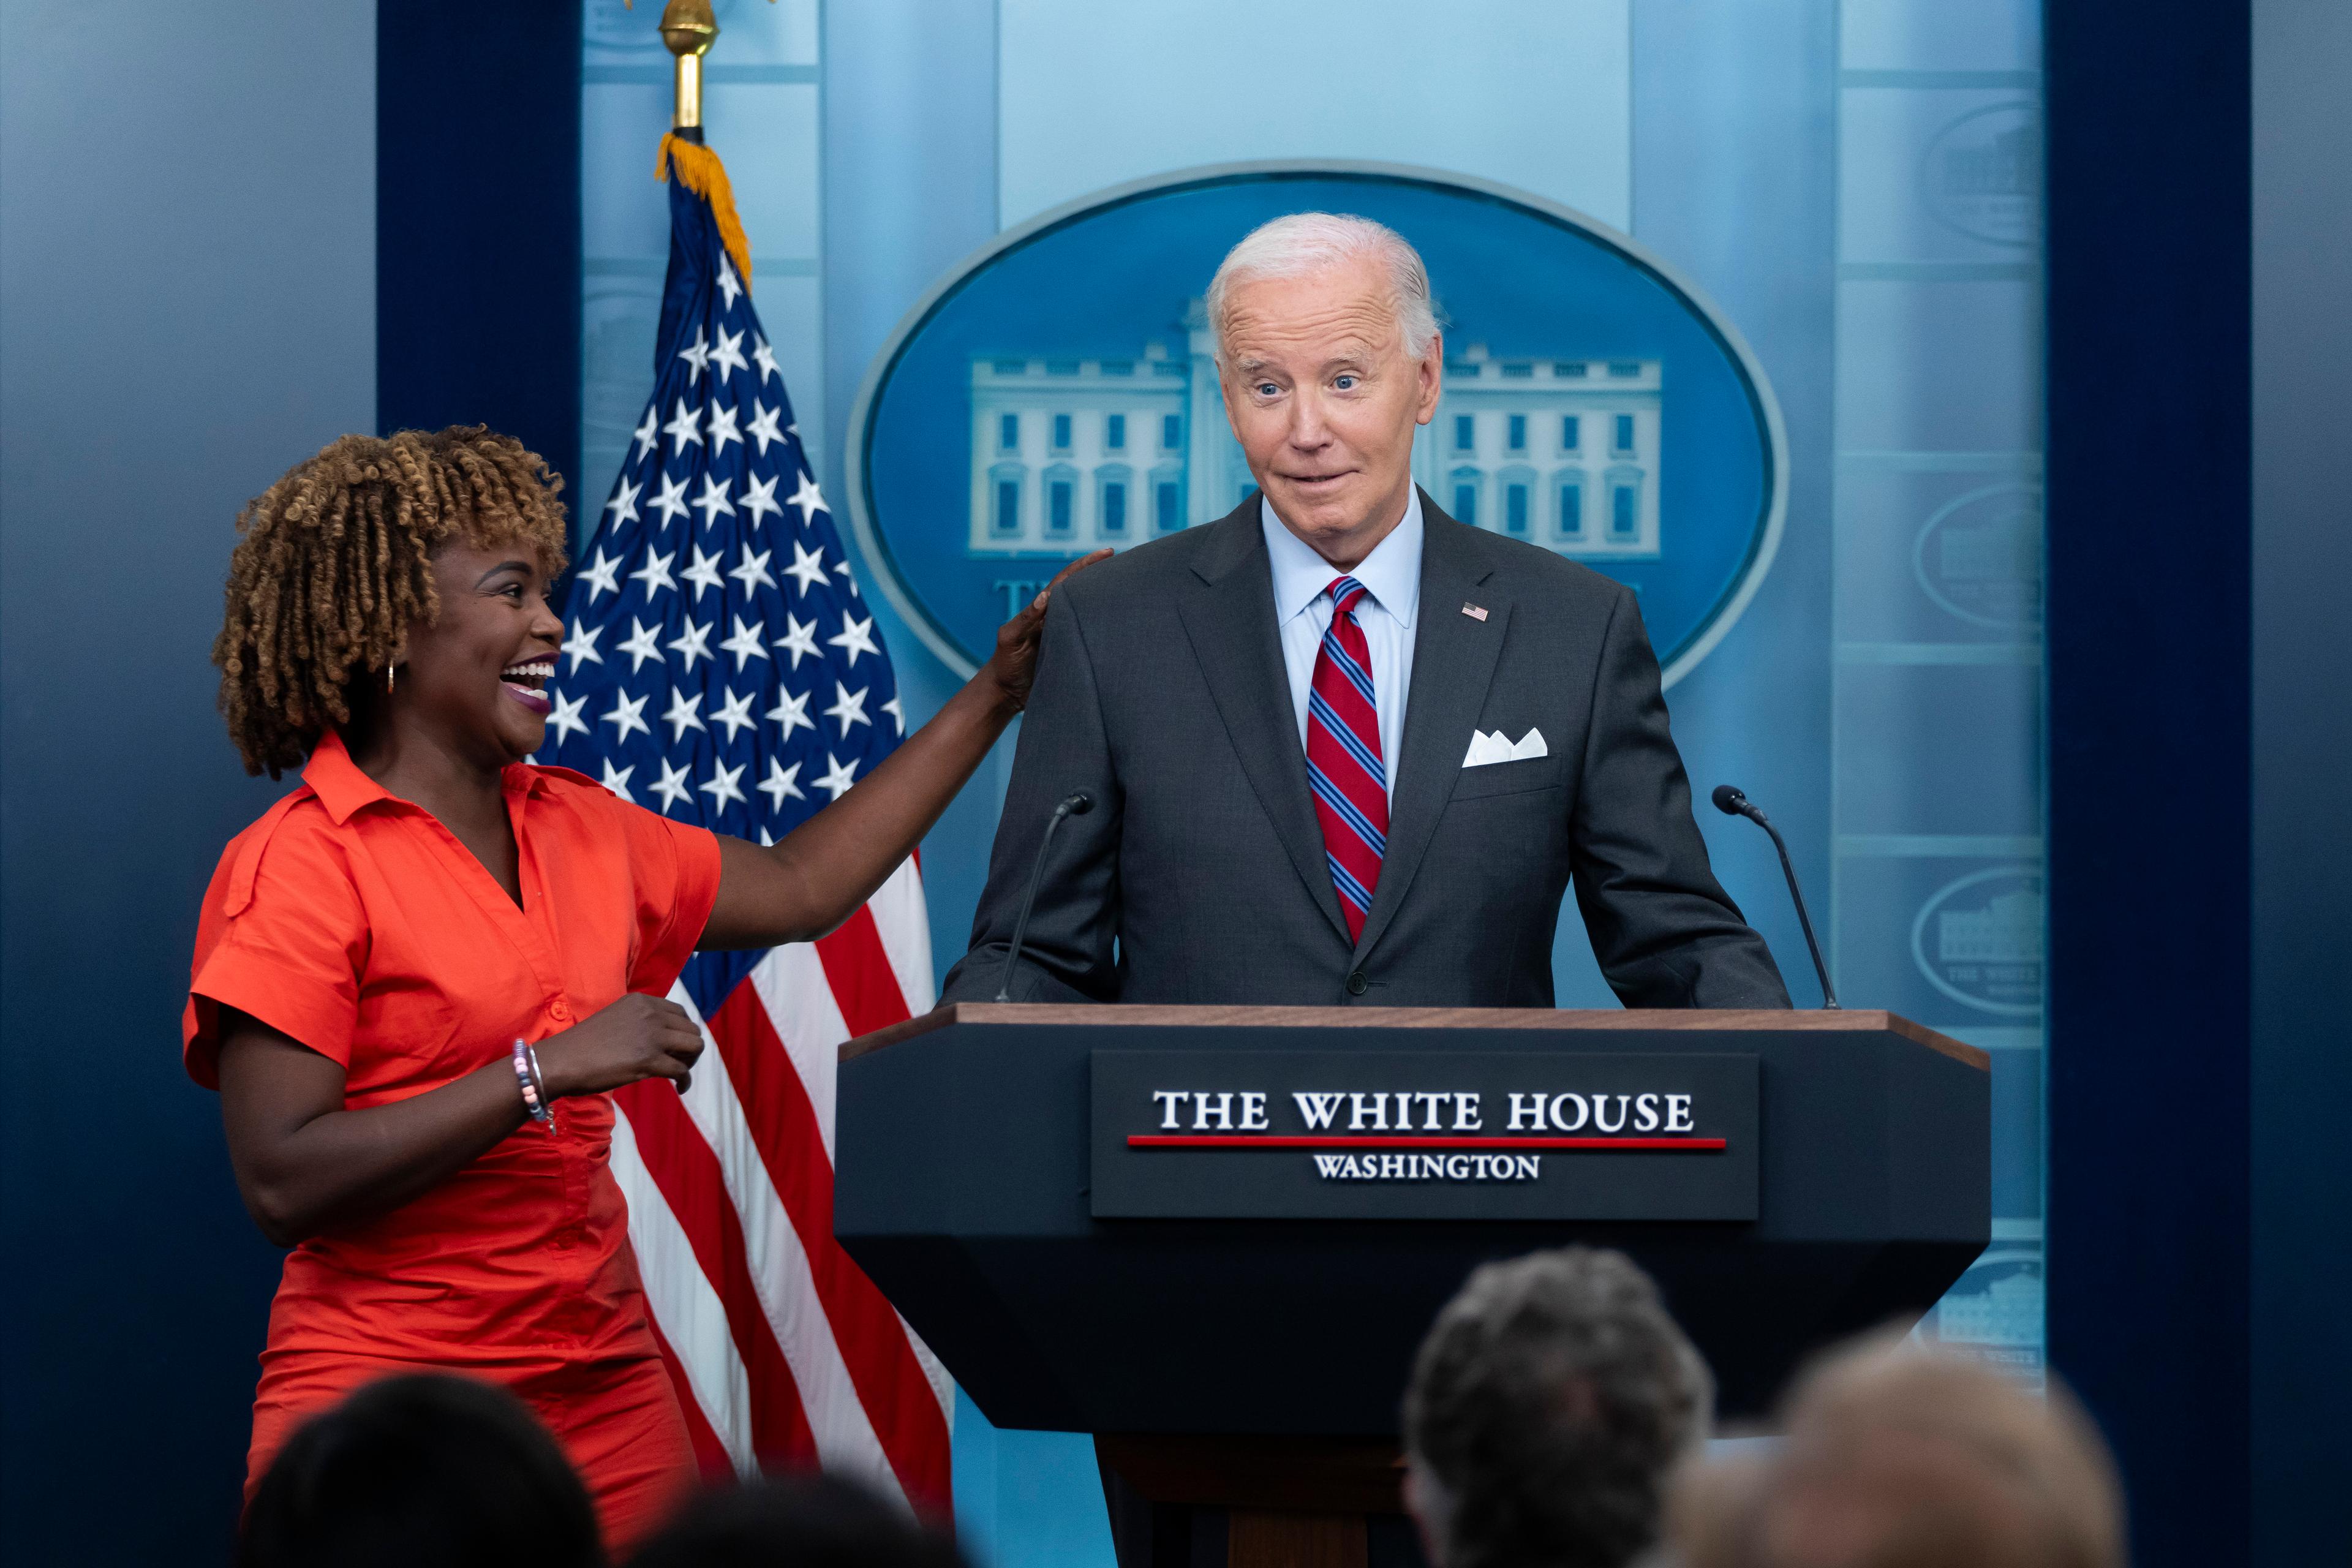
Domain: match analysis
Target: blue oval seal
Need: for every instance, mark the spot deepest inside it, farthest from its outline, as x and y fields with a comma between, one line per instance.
x=1054, y=391
x=1994, y=1314
x=1982, y=174
x=1978, y=556
x=1979, y=939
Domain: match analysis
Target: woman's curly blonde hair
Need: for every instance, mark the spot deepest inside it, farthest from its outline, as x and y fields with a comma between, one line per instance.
x=334, y=565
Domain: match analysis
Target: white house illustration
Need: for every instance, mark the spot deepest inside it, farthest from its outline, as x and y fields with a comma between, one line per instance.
x=1070, y=454
x=2008, y=930
x=2006, y=1312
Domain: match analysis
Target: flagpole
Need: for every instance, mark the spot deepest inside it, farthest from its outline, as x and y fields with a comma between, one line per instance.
x=690, y=30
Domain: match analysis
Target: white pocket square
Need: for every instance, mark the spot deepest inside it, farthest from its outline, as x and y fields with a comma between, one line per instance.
x=1499, y=748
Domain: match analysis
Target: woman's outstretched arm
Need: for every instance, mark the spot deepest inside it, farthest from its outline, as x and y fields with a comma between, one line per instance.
x=818, y=875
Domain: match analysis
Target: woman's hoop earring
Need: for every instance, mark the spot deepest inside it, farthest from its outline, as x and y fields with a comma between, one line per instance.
x=391, y=673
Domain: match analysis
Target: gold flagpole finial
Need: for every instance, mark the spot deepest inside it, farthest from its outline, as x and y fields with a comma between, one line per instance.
x=690, y=30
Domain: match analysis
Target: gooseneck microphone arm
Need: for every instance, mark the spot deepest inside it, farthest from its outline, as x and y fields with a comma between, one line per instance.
x=1731, y=803
x=1078, y=804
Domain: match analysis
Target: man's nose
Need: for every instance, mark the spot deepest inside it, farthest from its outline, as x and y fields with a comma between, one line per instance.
x=1308, y=429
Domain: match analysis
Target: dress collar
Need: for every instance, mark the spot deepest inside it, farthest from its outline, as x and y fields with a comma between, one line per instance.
x=343, y=789
x=1391, y=573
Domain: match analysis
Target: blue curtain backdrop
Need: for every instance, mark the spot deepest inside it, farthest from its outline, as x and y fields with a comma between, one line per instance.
x=1856, y=186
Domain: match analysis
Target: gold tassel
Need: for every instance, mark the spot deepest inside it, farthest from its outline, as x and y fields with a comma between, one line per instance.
x=698, y=170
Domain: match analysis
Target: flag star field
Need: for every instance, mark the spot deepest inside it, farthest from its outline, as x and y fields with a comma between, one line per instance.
x=682, y=624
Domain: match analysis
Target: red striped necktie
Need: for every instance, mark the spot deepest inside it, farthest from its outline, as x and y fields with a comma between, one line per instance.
x=1344, y=766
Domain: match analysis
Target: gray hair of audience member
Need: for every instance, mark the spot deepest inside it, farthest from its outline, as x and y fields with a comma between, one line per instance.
x=1900, y=1456
x=1298, y=244
x=1551, y=1402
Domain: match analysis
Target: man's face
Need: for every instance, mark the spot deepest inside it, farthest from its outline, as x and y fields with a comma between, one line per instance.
x=1324, y=400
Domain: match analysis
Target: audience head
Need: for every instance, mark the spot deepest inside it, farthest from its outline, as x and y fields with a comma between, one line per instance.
x=414, y=1470
x=1548, y=1405
x=1899, y=1457
x=805, y=1521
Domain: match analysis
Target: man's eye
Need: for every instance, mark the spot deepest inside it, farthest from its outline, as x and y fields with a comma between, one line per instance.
x=1345, y=383
x=1267, y=389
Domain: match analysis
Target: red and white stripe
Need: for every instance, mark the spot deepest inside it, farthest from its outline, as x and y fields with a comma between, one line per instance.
x=785, y=1354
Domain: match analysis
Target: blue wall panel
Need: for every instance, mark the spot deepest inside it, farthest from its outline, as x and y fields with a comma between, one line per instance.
x=187, y=307
x=1938, y=775
x=2301, y=1347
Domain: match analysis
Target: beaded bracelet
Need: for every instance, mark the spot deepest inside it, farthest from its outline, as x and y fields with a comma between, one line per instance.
x=533, y=1100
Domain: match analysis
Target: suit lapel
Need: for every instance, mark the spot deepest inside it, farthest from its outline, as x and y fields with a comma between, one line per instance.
x=1228, y=615
x=1454, y=660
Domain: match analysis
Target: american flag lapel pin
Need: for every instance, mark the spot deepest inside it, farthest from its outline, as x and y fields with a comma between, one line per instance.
x=1476, y=612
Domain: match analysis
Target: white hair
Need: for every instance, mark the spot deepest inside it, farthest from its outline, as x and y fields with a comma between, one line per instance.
x=1300, y=243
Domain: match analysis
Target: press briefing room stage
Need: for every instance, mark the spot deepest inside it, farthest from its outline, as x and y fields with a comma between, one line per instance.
x=1325, y=782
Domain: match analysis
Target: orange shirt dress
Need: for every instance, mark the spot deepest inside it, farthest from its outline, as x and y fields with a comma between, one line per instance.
x=355, y=922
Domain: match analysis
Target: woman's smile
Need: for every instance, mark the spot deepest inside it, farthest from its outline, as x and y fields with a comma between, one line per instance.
x=525, y=681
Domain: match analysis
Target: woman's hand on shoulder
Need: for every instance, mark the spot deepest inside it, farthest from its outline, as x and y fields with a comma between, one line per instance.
x=1015, y=663
x=799, y=888
x=638, y=1037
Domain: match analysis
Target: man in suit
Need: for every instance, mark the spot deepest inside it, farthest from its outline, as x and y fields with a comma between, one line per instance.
x=1340, y=748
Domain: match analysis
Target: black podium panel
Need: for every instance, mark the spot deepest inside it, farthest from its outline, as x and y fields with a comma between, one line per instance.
x=963, y=1146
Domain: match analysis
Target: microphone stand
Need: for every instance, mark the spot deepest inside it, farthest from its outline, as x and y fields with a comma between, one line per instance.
x=1732, y=803
x=1078, y=804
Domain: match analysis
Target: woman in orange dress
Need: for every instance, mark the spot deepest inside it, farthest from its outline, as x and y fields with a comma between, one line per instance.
x=416, y=976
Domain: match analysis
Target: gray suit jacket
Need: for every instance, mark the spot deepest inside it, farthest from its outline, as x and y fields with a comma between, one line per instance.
x=1200, y=874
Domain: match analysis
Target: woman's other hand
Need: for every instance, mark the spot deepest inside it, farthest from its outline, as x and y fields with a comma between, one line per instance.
x=307, y=1165
x=1013, y=666
x=638, y=1037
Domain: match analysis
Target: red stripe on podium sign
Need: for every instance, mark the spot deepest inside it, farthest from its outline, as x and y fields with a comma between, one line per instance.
x=1249, y=1141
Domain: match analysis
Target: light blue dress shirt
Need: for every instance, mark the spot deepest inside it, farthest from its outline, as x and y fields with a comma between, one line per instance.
x=1302, y=611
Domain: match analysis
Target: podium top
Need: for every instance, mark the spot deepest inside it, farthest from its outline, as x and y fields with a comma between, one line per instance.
x=1760, y=1020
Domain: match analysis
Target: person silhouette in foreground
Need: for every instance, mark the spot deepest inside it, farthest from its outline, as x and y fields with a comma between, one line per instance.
x=803, y=1521
x=1549, y=1405
x=1900, y=1457
x=409, y=1471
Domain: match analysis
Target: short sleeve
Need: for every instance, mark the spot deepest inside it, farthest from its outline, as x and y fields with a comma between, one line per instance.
x=283, y=937
x=673, y=868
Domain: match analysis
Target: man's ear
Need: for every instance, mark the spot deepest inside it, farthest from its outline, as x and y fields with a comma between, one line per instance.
x=1430, y=377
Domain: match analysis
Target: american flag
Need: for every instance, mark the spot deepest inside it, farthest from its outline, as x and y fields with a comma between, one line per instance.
x=721, y=668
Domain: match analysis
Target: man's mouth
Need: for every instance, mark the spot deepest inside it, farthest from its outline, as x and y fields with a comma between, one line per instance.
x=526, y=679
x=1319, y=482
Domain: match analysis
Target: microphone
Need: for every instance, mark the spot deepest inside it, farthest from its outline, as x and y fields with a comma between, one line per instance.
x=1078, y=804
x=1732, y=803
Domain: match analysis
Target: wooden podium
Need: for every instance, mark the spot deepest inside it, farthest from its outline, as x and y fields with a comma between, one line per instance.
x=1214, y=1237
